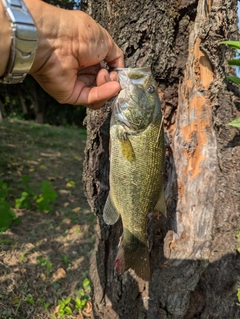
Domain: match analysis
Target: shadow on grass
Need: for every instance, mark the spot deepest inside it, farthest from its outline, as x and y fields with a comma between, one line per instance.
x=46, y=257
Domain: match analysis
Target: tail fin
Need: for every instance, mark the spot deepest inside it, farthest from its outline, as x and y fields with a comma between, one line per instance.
x=137, y=259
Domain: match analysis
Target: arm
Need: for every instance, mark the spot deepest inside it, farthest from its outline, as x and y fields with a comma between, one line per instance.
x=67, y=62
x=5, y=40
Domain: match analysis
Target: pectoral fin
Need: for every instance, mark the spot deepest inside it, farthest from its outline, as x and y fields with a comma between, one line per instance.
x=161, y=206
x=127, y=149
x=110, y=214
x=125, y=144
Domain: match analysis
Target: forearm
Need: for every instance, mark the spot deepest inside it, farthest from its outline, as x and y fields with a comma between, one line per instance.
x=5, y=39
x=37, y=10
x=71, y=47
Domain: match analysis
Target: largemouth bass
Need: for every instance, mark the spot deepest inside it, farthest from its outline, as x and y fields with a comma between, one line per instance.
x=137, y=156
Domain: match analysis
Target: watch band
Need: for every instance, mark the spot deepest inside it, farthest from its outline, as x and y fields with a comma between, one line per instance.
x=23, y=43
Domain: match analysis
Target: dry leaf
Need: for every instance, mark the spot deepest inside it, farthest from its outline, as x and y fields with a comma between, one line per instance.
x=43, y=277
x=88, y=308
x=51, y=178
x=75, y=228
x=56, y=309
x=64, y=191
x=50, y=155
x=32, y=162
x=87, y=311
x=69, y=185
x=76, y=210
x=59, y=274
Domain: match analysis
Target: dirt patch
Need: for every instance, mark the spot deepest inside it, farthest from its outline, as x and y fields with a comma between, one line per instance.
x=44, y=260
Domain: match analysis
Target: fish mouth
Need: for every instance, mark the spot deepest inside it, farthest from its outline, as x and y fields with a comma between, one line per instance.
x=132, y=76
x=140, y=69
x=117, y=111
x=132, y=81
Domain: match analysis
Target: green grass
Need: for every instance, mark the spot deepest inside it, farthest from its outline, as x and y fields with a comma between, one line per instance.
x=33, y=158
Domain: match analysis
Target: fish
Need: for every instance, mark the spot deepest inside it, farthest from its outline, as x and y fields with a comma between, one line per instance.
x=137, y=156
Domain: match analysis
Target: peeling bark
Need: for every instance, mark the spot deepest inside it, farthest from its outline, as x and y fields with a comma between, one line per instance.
x=194, y=263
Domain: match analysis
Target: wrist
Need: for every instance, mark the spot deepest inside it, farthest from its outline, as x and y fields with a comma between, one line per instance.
x=44, y=16
x=5, y=39
x=23, y=42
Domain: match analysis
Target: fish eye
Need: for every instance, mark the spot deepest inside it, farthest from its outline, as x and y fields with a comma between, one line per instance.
x=151, y=89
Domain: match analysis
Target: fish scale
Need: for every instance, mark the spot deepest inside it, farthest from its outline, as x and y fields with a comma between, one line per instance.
x=135, y=190
x=136, y=168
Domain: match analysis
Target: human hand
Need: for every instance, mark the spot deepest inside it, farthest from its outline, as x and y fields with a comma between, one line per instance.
x=67, y=62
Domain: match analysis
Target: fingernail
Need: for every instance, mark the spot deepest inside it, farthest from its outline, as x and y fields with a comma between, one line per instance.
x=107, y=78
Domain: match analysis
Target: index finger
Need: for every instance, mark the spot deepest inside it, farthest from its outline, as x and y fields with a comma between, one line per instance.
x=115, y=57
x=94, y=97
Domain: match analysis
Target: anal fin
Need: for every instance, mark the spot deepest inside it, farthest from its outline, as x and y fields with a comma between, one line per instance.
x=110, y=214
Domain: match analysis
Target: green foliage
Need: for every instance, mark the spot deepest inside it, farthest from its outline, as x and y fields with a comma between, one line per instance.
x=64, y=308
x=234, y=79
x=83, y=295
x=46, y=263
x=68, y=305
x=235, y=62
x=80, y=303
x=3, y=190
x=66, y=260
x=86, y=285
x=238, y=296
x=232, y=44
x=23, y=201
x=46, y=195
x=5, y=241
x=7, y=215
x=235, y=122
x=34, y=96
x=30, y=299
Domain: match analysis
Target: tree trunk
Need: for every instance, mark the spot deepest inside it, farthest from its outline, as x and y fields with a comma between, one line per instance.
x=38, y=104
x=195, y=267
x=1, y=113
x=22, y=100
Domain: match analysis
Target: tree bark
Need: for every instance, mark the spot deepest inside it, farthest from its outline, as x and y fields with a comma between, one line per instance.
x=195, y=266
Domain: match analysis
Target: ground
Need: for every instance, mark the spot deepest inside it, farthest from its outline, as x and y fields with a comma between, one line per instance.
x=44, y=260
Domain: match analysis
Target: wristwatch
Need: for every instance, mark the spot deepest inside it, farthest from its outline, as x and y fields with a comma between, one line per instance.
x=24, y=42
